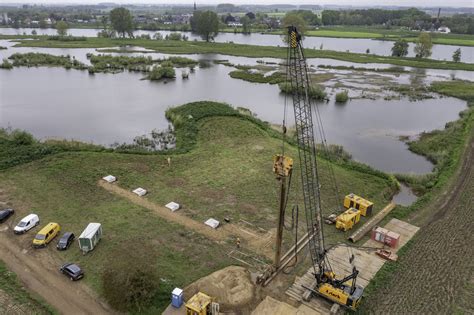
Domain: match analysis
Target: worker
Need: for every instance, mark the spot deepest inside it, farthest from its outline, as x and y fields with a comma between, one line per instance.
x=169, y=161
x=237, y=242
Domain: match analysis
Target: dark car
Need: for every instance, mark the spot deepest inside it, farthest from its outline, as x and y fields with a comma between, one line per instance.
x=5, y=214
x=72, y=271
x=65, y=241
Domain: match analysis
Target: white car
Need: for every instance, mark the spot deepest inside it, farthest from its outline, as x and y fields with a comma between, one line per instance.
x=26, y=224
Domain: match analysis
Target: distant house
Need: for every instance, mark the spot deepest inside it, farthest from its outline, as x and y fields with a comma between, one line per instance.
x=234, y=24
x=444, y=29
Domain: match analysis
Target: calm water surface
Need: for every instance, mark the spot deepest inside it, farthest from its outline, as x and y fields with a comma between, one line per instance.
x=106, y=108
x=359, y=45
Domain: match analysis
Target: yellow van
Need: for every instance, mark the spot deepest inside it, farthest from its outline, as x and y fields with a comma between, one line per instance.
x=46, y=235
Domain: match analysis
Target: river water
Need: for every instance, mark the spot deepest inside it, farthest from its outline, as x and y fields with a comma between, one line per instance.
x=359, y=45
x=106, y=108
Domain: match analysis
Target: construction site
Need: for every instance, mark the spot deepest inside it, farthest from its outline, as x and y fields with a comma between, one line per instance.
x=246, y=218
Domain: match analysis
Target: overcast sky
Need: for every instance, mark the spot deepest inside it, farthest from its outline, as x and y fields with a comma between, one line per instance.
x=417, y=3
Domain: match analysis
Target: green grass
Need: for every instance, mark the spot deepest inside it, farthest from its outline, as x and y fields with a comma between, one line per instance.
x=224, y=169
x=192, y=47
x=16, y=294
x=257, y=77
x=444, y=148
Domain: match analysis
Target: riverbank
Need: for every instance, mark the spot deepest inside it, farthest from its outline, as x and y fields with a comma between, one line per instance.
x=224, y=161
x=350, y=32
x=447, y=197
x=196, y=47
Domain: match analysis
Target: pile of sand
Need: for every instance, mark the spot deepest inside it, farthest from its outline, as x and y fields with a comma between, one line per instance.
x=231, y=286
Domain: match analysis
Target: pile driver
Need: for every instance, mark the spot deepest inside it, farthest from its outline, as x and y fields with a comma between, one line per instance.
x=344, y=290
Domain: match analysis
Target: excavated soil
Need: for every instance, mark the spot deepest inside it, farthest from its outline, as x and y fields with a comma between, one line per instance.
x=232, y=287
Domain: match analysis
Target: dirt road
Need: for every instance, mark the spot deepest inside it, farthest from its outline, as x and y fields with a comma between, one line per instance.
x=254, y=240
x=436, y=274
x=38, y=271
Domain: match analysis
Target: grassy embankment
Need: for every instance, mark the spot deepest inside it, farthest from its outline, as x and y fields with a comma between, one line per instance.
x=195, y=47
x=221, y=168
x=445, y=149
x=386, y=34
x=15, y=298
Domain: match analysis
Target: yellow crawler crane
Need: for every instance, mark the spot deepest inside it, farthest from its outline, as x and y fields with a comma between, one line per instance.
x=342, y=291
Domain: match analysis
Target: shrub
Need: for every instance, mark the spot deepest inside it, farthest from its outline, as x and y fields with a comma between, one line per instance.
x=6, y=64
x=162, y=72
x=342, y=97
x=315, y=92
x=174, y=36
x=21, y=137
x=130, y=283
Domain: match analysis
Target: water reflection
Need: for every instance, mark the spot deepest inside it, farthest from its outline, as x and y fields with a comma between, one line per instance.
x=405, y=196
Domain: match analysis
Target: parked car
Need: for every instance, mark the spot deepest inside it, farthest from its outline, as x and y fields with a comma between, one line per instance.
x=26, y=224
x=72, y=271
x=65, y=241
x=5, y=214
x=46, y=235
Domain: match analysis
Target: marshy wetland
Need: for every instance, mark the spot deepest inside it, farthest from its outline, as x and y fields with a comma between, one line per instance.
x=386, y=103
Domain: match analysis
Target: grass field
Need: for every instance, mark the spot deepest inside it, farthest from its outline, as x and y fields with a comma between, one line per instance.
x=192, y=47
x=15, y=299
x=227, y=173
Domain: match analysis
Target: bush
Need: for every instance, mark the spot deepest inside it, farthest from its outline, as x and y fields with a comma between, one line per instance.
x=342, y=97
x=162, y=72
x=130, y=283
x=174, y=36
x=6, y=64
x=315, y=92
x=40, y=59
x=21, y=137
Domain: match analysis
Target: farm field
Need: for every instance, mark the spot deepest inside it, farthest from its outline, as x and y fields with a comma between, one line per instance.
x=439, y=253
x=227, y=174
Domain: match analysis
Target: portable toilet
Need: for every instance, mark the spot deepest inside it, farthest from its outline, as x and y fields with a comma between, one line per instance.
x=90, y=237
x=177, y=297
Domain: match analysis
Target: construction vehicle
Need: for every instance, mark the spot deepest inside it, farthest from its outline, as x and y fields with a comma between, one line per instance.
x=343, y=291
x=346, y=220
x=201, y=304
x=353, y=201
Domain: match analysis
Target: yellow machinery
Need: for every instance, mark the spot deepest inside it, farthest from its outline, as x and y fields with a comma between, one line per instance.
x=201, y=304
x=346, y=220
x=342, y=291
x=353, y=201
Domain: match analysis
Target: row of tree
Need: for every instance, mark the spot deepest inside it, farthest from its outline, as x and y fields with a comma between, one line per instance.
x=423, y=48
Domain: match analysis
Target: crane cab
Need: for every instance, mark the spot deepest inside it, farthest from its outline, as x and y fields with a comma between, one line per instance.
x=342, y=295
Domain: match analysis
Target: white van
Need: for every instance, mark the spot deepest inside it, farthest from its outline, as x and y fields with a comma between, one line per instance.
x=26, y=224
